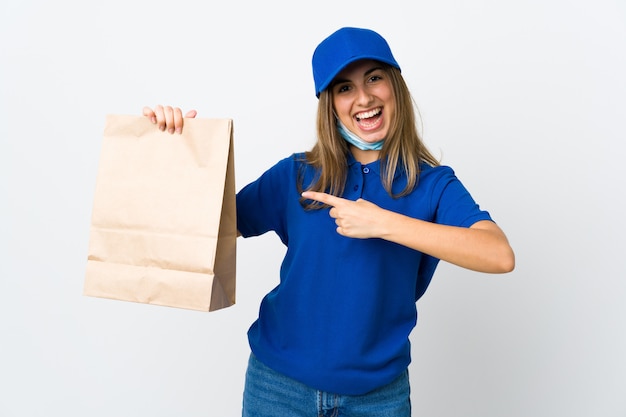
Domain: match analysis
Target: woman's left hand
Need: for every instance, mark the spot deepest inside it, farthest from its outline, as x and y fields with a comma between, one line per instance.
x=357, y=219
x=480, y=247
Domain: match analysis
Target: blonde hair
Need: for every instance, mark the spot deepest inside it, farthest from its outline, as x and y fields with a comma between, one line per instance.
x=403, y=147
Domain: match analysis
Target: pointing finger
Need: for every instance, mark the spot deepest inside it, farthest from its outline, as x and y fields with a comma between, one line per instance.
x=325, y=198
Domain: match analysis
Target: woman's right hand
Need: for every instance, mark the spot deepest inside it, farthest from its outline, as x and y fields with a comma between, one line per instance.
x=167, y=117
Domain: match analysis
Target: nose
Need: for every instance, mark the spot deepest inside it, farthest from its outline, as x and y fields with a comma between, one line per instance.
x=364, y=97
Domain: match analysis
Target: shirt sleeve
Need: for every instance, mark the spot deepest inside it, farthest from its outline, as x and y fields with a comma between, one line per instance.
x=261, y=204
x=454, y=206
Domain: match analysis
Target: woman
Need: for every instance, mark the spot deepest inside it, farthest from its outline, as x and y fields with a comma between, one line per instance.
x=366, y=215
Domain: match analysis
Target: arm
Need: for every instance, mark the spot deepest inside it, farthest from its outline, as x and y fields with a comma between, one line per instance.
x=482, y=247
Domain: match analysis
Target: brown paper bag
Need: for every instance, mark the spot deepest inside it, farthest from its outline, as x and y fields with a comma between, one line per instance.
x=163, y=228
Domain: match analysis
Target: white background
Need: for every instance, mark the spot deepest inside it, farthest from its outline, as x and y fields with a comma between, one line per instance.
x=526, y=100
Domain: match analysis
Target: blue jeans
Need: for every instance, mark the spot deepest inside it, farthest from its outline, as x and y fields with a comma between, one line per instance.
x=268, y=393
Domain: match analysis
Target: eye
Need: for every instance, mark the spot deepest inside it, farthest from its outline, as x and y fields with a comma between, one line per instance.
x=341, y=88
x=374, y=78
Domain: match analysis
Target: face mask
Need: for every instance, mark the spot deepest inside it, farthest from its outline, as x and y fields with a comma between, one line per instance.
x=357, y=141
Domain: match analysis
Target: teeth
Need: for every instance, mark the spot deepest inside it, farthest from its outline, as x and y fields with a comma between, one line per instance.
x=368, y=114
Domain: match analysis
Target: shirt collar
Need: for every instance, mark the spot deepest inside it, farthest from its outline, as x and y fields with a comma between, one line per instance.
x=373, y=166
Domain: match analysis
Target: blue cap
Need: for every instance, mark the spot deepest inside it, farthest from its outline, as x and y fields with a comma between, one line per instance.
x=344, y=47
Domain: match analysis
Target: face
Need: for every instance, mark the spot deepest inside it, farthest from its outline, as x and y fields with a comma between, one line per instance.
x=363, y=99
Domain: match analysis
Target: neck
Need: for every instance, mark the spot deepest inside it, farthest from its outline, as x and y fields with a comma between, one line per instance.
x=364, y=157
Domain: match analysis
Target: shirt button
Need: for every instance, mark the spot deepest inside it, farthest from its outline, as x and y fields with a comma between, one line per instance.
x=366, y=170
x=356, y=187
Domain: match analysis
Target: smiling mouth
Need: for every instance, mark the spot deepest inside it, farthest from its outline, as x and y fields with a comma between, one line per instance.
x=368, y=114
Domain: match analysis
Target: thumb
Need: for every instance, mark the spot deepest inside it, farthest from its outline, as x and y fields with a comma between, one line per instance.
x=191, y=114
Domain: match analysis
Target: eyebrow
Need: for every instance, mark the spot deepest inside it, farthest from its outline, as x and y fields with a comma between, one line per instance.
x=368, y=72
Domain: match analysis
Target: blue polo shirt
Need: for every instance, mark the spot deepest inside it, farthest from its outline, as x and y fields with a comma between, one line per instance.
x=340, y=318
